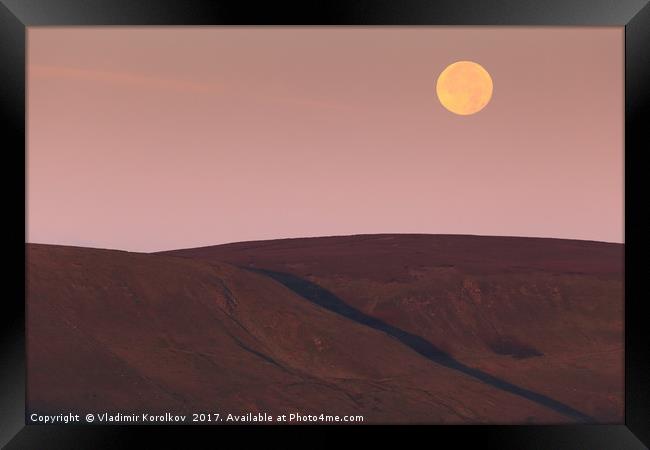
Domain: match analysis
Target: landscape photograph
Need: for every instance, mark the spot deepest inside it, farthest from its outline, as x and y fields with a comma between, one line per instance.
x=325, y=225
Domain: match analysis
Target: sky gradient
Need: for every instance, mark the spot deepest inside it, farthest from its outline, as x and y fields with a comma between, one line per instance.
x=149, y=139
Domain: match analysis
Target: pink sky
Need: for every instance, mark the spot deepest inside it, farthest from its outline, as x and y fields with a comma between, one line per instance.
x=148, y=139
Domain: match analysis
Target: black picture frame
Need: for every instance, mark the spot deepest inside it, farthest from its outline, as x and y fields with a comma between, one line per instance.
x=634, y=15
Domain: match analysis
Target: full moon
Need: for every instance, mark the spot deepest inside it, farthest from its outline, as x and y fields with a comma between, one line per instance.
x=464, y=87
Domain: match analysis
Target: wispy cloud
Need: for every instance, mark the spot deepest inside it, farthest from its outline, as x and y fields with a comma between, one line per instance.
x=168, y=84
x=124, y=78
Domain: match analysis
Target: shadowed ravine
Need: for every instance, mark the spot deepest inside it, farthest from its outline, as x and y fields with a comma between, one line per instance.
x=324, y=298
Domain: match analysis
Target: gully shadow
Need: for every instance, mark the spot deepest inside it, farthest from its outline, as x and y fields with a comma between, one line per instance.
x=324, y=298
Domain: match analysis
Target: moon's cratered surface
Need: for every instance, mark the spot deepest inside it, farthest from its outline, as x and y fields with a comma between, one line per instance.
x=464, y=87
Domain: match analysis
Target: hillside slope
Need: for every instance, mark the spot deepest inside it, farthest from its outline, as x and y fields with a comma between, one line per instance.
x=545, y=314
x=128, y=332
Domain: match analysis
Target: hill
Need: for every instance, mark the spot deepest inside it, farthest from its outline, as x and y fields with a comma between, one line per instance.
x=542, y=314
